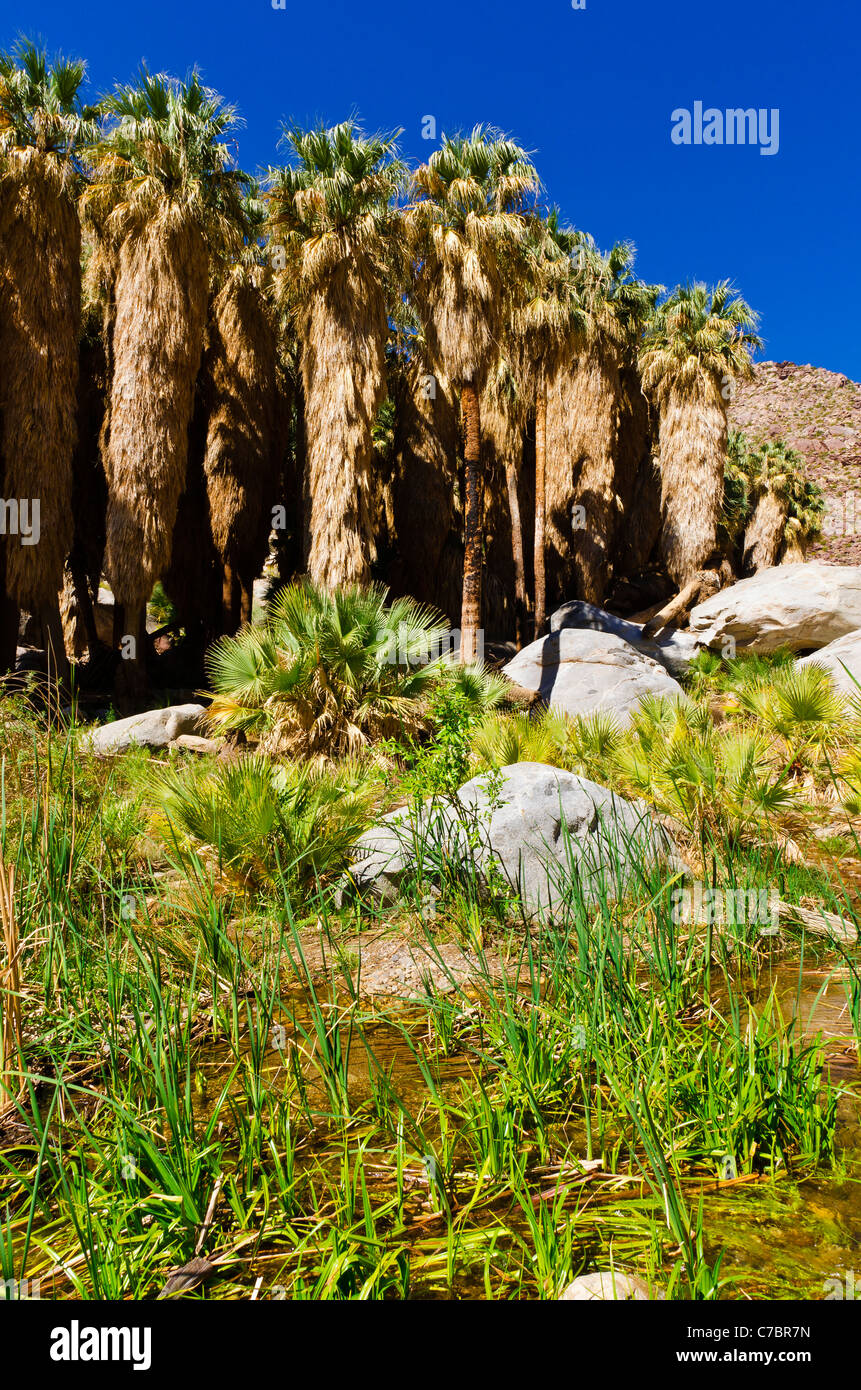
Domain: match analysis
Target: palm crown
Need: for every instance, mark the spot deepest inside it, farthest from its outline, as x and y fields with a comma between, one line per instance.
x=40, y=105
x=615, y=303
x=336, y=201
x=696, y=335
x=167, y=148
x=468, y=220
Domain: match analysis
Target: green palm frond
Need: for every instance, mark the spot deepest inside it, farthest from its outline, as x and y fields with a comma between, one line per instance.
x=325, y=673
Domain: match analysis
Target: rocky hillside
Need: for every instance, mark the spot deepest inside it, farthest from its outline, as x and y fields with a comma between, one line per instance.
x=819, y=414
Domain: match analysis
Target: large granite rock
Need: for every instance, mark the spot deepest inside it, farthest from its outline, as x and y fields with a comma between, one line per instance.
x=155, y=729
x=800, y=606
x=540, y=827
x=842, y=661
x=674, y=650
x=579, y=671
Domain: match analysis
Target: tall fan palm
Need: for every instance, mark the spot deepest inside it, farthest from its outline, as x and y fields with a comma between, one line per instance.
x=697, y=342
x=547, y=326
x=41, y=123
x=504, y=408
x=468, y=221
x=585, y=408
x=240, y=389
x=165, y=197
x=333, y=216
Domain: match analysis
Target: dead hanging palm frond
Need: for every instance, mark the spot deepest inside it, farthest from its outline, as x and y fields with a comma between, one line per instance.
x=333, y=221
x=41, y=124
x=508, y=523
x=11, y=1028
x=158, y=339
x=589, y=468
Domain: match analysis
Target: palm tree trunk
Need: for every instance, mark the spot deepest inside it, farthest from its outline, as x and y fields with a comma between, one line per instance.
x=52, y=637
x=9, y=621
x=246, y=601
x=470, y=614
x=521, y=600
x=119, y=625
x=230, y=598
x=540, y=481
x=131, y=682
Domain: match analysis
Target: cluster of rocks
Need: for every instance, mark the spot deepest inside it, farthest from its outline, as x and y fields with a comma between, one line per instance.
x=592, y=660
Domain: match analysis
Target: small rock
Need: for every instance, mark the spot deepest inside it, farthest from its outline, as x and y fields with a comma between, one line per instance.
x=609, y=1285
x=154, y=729
x=196, y=743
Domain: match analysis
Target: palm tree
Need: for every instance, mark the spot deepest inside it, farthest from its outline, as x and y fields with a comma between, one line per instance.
x=336, y=248
x=240, y=390
x=328, y=671
x=165, y=198
x=546, y=326
x=503, y=424
x=42, y=122
x=468, y=222
x=697, y=342
x=586, y=406
x=786, y=508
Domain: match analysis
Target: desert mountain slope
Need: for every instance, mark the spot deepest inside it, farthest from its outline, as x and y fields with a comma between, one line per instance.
x=819, y=414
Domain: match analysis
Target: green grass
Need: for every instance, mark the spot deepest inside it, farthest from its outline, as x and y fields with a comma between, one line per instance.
x=202, y=1074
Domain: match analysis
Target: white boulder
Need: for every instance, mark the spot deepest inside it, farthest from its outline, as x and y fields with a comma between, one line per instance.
x=799, y=606
x=583, y=670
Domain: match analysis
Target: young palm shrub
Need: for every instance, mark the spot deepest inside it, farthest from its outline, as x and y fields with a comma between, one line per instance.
x=327, y=673
x=336, y=247
x=801, y=709
x=592, y=743
x=504, y=739
x=266, y=823
x=467, y=223
x=42, y=124
x=698, y=340
x=165, y=199
x=724, y=785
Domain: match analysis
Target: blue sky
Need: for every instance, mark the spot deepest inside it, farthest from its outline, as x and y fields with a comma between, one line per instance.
x=590, y=91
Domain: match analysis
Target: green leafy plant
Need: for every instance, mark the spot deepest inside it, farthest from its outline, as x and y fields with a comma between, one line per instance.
x=327, y=673
x=267, y=823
